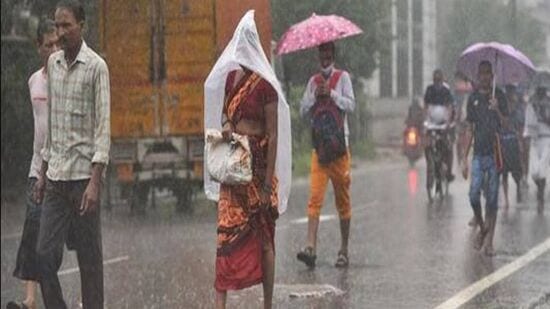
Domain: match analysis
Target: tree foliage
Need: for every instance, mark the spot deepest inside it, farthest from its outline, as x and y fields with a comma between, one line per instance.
x=356, y=54
x=19, y=61
x=472, y=21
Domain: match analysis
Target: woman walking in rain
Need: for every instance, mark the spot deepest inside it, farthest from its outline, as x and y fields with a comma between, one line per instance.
x=243, y=95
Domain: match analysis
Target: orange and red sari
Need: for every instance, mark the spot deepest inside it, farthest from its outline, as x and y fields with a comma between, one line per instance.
x=244, y=225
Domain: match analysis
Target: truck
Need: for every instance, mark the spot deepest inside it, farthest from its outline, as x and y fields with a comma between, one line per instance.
x=159, y=53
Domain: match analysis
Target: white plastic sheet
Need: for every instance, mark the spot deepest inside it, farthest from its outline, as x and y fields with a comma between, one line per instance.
x=245, y=49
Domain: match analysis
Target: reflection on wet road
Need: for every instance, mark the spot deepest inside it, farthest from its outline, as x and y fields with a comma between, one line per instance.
x=404, y=253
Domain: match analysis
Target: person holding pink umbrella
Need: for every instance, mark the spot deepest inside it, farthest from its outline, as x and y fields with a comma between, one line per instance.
x=326, y=102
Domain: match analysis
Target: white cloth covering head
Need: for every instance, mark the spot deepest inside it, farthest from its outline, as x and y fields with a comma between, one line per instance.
x=245, y=49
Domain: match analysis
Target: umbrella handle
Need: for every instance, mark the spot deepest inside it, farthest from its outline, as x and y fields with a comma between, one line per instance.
x=494, y=74
x=494, y=85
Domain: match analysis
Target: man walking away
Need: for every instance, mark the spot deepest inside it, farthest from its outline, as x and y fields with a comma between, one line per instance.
x=537, y=132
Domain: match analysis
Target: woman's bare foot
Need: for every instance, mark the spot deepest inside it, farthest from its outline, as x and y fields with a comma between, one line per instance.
x=506, y=203
x=473, y=222
x=30, y=303
x=478, y=244
x=26, y=304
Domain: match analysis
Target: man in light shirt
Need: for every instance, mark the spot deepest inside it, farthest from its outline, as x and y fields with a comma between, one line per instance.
x=75, y=154
x=537, y=133
x=327, y=101
x=27, y=260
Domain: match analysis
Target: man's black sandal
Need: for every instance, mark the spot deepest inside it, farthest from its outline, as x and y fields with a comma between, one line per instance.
x=307, y=256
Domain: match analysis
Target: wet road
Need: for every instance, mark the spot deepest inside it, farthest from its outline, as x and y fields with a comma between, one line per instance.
x=404, y=253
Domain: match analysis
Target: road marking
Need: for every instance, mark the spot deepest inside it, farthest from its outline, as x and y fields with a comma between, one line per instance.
x=310, y=290
x=363, y=208
x=321, y=219
x=292, y=291
x=107, y=262
x=476, y=288
x=303, y=220
x=11, y=236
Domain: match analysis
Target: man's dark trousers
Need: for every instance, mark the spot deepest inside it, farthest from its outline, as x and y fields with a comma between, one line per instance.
x=61, y=223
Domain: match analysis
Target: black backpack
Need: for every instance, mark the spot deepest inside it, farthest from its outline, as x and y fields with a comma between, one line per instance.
x=327, y=123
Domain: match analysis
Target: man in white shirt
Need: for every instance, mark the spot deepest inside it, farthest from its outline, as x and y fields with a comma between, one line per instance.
x=27, y=264
x=537, y=132
x=327, y=101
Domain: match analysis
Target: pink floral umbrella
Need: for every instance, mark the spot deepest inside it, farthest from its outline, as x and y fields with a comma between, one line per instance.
x=314, y=31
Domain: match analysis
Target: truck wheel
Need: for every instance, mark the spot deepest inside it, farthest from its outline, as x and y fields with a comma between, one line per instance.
x=106, y=197
x=185, y=198
x=107, y=190
x=139, y=197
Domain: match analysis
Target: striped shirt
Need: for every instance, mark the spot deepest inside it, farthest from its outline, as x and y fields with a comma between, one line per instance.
x=79, y=115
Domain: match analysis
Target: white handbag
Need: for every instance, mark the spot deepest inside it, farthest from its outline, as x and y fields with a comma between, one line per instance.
x=228, y=162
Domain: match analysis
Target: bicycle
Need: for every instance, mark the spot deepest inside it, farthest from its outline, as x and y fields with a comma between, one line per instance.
x=437, y=151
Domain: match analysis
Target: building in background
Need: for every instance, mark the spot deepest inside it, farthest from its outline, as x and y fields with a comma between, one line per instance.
x=411, y=53
x=412, y=50
x=540, y=9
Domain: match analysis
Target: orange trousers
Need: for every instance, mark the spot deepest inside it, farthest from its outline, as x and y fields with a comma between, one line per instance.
x=339, y=173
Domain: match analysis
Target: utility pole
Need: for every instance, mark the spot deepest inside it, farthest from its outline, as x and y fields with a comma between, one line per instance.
x=410, y=47
x=394, y=48
x=514, y=20
x=429, y=32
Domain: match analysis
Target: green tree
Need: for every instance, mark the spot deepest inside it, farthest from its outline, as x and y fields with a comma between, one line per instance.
x=473, y=21
x=19, y=61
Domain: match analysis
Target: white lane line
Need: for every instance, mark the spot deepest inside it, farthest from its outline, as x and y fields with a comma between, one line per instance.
x=107, y=262
x=476, y=288
x=11, y=236
x=363, y=208
x=303, y=220
x=321, y=219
